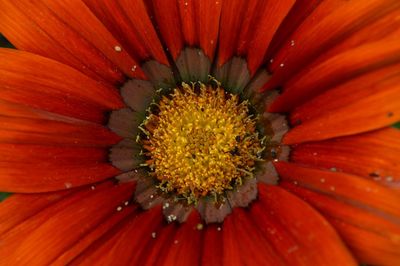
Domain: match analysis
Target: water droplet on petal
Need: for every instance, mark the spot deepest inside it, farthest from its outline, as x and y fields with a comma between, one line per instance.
x=117, y=48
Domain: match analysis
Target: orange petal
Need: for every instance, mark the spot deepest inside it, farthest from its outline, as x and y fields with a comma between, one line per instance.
x=212, y=245
x=373, y=239
x=37, y=131
x=275, y=232
x=261, y=20
x=19, y=103
x=200, y=24
x=187, y=14
x=95, y=252
x=28, y=166
x=108, y=227
x=126, y=243
x=242, y=237
x=36, y=168
x=129, y=248
x=190, y=23
x=300, y=11
x=79, y=214
x=373, y=155
x=383, y=253
x=79, y=18
x=158, y=249
x=23, y=71
x=60, y=155
x=286, y=215
x=345, y=187
x=231, y=253
x=24, y=34
x=320, y=31
x=46, y=132
x=166, y=14
x=28, y=25
x=29, y=178
x=206, y=20
x=320, y=76
x=386, y=26
x=185, y=249
x=18, y=110
x=361, y=112
x=76, y=30
x=129, y=22
x=360, y=87
x=15, y=210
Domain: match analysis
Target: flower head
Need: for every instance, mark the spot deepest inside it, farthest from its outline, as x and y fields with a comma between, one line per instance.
x=200, y=132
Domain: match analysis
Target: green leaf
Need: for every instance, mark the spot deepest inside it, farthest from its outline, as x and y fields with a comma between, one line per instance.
x=5, y=43
x=4, y=195
x=397, y=125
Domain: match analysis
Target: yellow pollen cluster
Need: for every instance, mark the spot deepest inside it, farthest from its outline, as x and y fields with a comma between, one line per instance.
x=201, y=142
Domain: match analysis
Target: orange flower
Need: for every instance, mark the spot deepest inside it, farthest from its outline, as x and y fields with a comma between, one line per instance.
x=75, y=93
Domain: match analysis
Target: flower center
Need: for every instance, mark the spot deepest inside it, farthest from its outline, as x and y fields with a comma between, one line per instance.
x=201, y=141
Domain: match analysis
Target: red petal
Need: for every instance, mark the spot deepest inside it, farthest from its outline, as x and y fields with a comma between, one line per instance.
x=262, y=19
x=365, y=109
x=206, y=21
x=242, y=237
x=324, y=74
x=167, y=16
x=18, y=110
x=52, y=155
x=79, y=214
x=61, y=108
x=126, y=244
x=321, y=31
x=129, y=22
x=23, y=71
x=38, y=131
x=275, y=232
x=15, y=210
x=212, y=245
x=35, y=168
x=372, y=238
x=77, y=37
x=387, y=26
x=382, y=251
x=187, y=243
x=191, y=23
x=95, y=253
x=300, y=11
x=200, y=23
x=158, y=249
x=342, y=186
x=372, y=155
x=360, y=87
x=130, y=247
x=286, y=215
x=97, y=234
x=22, y=129
x=28, y=166
x=231, y=253
x=28, y=178
x=187, y=14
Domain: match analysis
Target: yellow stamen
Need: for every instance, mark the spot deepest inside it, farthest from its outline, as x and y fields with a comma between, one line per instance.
x=201, y=142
